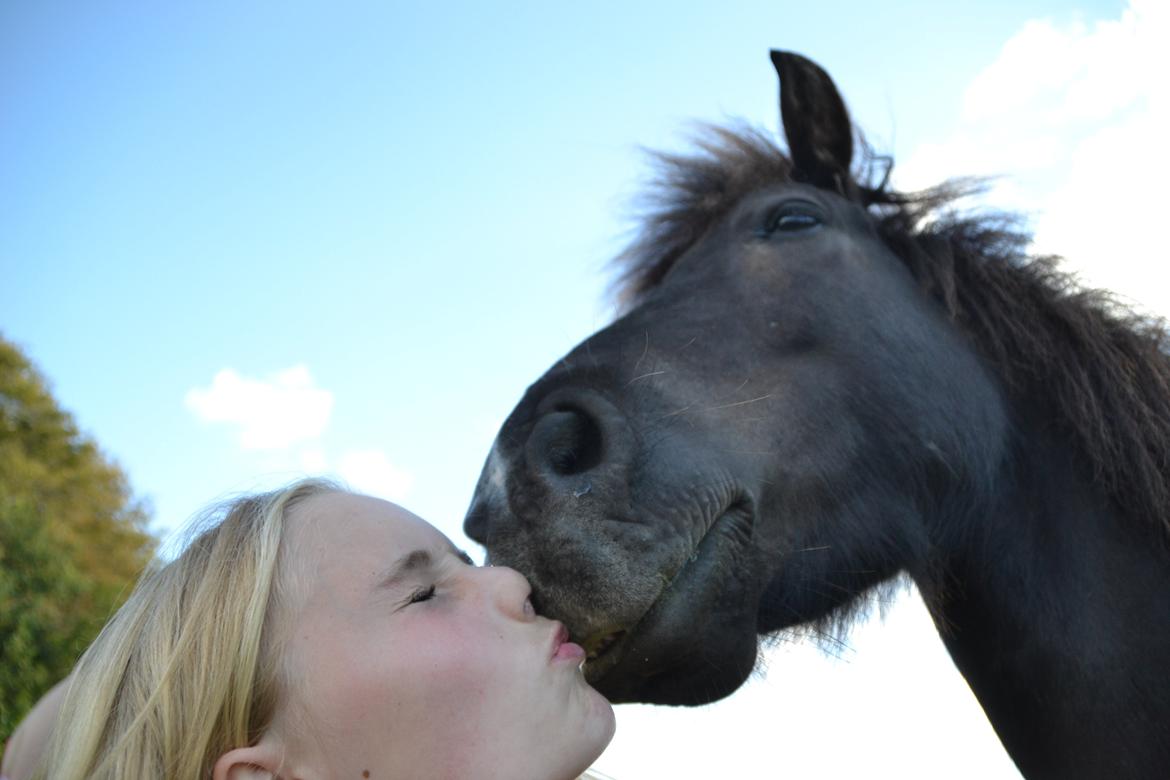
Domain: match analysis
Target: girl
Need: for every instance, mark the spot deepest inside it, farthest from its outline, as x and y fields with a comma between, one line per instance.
x=312, y=632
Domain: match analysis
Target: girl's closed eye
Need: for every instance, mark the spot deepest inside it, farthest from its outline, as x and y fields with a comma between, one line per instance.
x=423, y=594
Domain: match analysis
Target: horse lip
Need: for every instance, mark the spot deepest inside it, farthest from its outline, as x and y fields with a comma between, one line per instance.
x=596, y=670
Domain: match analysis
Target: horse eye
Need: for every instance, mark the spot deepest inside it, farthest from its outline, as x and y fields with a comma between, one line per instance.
x=792, y=218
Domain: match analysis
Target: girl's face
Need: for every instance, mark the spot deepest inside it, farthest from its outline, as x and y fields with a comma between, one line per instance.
x=408, y=661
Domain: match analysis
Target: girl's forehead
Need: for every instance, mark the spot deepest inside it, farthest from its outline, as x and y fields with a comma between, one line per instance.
x=352, y=524
x=337, y=547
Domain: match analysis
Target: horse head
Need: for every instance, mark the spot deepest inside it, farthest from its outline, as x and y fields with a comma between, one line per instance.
x=768, y=430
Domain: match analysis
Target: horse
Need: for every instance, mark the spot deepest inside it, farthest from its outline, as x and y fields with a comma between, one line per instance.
x=819, y=385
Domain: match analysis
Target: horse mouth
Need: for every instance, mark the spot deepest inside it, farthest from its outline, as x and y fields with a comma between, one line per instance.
x=598, y=645
x=606, y=649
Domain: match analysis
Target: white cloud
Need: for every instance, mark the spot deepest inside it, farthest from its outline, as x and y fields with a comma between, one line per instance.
x=1056, y=76
x=1072, y=118
x=313, y=461
x=371, y=472
x=367, y=471
x=272, y=413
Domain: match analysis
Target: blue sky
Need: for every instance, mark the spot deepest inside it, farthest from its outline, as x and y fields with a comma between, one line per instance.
x=377, y=223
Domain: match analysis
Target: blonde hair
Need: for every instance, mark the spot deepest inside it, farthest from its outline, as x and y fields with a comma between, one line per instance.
x=188, y=668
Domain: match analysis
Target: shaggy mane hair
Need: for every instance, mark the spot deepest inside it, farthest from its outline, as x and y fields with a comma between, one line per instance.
x=1103, y=369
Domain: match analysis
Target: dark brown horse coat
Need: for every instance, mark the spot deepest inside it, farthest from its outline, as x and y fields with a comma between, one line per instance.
x=819, y=384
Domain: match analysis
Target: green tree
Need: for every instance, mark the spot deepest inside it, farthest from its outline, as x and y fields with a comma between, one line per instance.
x=72, y=538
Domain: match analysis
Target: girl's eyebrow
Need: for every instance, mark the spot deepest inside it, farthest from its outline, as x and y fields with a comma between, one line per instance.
x=412, y=563
x=409, y=564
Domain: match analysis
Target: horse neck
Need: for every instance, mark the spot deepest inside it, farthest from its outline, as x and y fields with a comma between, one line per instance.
x=1055, y=609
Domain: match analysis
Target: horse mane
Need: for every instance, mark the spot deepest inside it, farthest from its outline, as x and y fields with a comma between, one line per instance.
x=1104, y=369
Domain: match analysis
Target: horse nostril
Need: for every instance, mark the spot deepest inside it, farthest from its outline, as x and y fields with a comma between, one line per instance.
x=565, y=442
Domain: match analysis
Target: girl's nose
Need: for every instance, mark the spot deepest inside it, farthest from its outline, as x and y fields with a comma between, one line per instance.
x=512, y=592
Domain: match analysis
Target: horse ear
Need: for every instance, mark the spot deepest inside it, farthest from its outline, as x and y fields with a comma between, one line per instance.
x=816, y=123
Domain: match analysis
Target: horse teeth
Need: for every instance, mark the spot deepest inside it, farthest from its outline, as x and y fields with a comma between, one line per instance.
x=597, y=647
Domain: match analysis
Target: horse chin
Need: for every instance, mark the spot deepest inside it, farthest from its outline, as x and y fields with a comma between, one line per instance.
x=668, y=657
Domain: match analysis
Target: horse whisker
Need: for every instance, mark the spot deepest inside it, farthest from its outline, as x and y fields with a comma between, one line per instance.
x=738, y=403
x=749, y=452
x=645, y=349
x=643, y=376
x=680, y=411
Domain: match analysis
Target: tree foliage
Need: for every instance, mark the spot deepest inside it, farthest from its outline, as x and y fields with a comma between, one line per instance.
x=72, y=538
